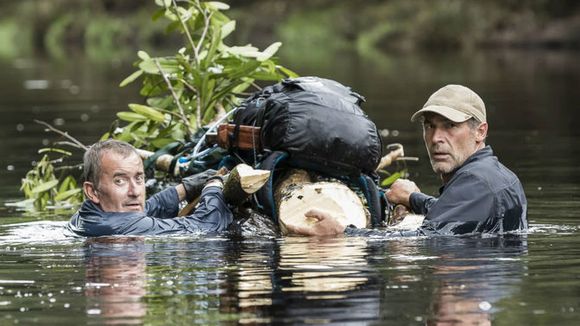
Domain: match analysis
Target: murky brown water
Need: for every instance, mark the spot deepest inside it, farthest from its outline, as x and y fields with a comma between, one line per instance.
x=532, y=99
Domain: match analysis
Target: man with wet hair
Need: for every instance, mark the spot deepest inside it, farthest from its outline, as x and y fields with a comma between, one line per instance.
x=114, y=185
x=479, y=194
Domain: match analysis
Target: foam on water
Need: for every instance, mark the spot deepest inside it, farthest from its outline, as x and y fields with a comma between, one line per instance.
x=38, y=232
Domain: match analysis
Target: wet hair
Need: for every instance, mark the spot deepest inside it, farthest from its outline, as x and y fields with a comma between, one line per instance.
x=93, y=156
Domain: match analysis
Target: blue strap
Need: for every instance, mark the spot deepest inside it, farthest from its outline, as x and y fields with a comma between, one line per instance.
x=265, y=196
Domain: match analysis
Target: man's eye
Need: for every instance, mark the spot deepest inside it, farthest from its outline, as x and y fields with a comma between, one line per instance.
x=119, y=182
x=140, y=178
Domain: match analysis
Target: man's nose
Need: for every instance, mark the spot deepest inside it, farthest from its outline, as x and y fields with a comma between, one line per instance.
x=135, y=189
x=437, y=135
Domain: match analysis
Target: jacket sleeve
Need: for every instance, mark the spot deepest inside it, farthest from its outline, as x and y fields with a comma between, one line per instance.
x=211, y=215
x=465, y=206
x=420, y=203
x=164, y=204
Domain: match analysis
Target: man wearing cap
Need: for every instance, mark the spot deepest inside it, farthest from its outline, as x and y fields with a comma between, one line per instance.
x=479, y=194
x=115, y=189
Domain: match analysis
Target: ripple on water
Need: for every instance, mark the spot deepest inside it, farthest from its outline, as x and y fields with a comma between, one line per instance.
x=38, y=232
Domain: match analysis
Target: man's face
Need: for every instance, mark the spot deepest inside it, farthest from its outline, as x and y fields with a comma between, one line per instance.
x=121, y=184
x=450, y=143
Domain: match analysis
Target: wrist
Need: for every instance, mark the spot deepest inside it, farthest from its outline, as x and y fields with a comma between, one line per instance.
x=214, y=182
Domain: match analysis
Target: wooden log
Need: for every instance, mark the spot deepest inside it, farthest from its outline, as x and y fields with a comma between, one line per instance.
x=242, y=182
x=162, y=163
x=297, y=194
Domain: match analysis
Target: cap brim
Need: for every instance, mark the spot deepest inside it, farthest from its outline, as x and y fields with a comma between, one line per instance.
x=447, y=112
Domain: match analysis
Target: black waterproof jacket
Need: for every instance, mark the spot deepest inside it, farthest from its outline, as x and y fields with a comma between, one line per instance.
x=159, y=217
x=483, y=196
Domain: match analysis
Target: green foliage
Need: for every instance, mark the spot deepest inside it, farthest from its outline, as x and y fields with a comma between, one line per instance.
x=43, y=189
x=203, y=79
x=390, y=178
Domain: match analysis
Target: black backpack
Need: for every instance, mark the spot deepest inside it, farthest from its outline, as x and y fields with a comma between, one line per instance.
x=315, y=124
x=316, y=121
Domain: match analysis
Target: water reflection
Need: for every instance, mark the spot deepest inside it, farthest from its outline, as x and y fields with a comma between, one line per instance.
x=323, y=268
x=116, y=279
x=470, y=283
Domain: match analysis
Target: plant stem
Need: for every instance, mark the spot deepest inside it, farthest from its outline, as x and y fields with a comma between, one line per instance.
x=206, y=23
x=186, y=30
x=74, y=141
x=175, y=98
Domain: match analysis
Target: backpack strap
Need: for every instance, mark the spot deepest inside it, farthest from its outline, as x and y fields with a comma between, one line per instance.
x=373, y=196
x=265, y=196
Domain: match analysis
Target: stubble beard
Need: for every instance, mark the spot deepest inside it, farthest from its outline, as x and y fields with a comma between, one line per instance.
x=446, y=167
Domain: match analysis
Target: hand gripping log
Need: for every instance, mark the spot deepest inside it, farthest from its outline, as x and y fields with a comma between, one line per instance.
x=241, y=182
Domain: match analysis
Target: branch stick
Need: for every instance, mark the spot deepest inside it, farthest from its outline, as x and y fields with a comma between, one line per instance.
x=64, y=134
x=175, y=98
x=186, y=30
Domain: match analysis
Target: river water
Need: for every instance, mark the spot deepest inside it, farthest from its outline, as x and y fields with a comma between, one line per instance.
x=532, y=99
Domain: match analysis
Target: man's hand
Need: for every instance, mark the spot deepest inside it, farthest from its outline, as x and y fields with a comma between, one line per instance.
x=194, y=184
x=400, y=192
x=325, y=225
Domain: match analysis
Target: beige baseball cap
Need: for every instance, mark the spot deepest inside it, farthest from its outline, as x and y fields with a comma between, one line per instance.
x=456, y=103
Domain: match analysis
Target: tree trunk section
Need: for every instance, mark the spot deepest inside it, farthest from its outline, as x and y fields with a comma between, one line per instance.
x=242, y=182
x=297, y=193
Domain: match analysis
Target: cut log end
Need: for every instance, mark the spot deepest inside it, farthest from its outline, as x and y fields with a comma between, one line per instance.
x=242, y=182
x=251, y=180
x=296, y=195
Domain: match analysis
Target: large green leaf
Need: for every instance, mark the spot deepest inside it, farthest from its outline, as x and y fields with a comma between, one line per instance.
x=131, y=116
x=147, y=111
x=143, y=55
x=160, y=102
x=245, y=51
x=169, y=66
x=131, y=78
x=228, y=28
x=218, y=5
x=45, y=186
x=67, y=194
x=269, y=52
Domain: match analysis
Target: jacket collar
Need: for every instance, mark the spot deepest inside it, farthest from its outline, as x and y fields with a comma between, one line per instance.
x=479, y=155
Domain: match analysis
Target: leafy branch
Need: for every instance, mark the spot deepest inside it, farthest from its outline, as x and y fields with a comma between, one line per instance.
x=182, y=93
x=42, y=187
x=200, y=79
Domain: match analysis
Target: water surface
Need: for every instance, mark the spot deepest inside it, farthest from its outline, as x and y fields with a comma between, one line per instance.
x=532, y=100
